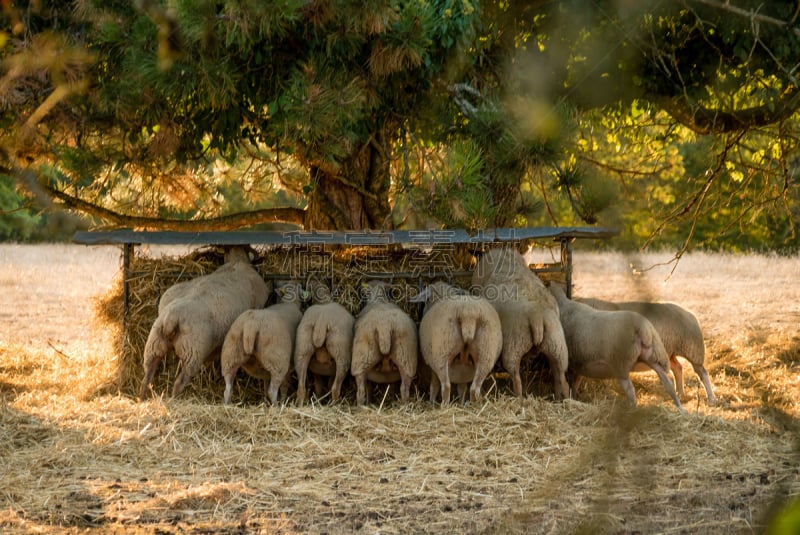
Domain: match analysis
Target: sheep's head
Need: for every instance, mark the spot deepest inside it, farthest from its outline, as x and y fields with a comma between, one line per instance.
x=376, y=291
x=436, y=291
x=320, y=292
x=291, y=292
x=558, y=291
x=237, y=253
x=501, y=261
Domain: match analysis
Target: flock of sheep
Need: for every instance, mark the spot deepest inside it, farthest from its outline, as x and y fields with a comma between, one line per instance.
x=460, y=338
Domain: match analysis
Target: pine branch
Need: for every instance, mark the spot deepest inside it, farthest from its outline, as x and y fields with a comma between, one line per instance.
x=226, y=222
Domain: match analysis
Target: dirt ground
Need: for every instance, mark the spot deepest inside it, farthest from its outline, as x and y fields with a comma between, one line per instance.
x=81, y=458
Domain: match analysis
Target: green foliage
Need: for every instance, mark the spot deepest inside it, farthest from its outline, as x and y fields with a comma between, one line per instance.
x=718, y=191
x=675, y=121
x=787, y=520
x=457, y=192
x=17, y=222
x=22, y=219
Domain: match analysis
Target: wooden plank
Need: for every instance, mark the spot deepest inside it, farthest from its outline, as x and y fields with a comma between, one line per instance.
x=420, y=238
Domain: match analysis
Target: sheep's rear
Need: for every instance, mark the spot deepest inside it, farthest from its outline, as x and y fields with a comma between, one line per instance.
x=461, y=339
x=385, y=349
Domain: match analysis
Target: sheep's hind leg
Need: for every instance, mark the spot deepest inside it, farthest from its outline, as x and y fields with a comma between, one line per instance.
x=627, y=386
x=662, y=374
x=189, y=368
x=517, y=379
x=181, y=382
x=435, y=384
x=560, y=387
x=446, y=391
x=149, y=373
x=342, y=372
x=701, y=371
x=445, y=385
x=274, y=388
x=405, y=386
x=512, y=366
x=574, y=381
x=475, y=389
x=301, y=369
x=480, y=375
x=677, y=371
x=229, y=387
x=361, y=389
x=461, y=389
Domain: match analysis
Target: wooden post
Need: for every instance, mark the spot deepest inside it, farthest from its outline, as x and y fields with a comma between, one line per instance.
x=127, y=255
x=566, y=262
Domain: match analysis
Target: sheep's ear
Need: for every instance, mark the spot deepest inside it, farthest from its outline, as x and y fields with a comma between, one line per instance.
x=421, y=297
x=280, y=288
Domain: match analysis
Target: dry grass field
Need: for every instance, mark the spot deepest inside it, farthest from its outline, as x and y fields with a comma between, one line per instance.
x=79, y=456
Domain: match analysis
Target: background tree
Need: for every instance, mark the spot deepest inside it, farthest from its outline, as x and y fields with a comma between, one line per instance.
x=675, y=120
x=145, y=101
x=689, y=107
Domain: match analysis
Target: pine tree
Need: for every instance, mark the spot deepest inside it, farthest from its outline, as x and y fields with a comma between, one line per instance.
x=342, y=114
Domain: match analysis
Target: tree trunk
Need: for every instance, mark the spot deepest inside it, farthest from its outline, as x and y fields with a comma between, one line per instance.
x=355, y=195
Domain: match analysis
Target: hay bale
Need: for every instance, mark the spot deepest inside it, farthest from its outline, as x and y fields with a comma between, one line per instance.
x=342, y=269
x=148, y=279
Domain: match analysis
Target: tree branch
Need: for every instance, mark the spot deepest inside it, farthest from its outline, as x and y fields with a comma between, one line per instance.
x=226, y=222
x=750, y=14
x=695, y=203
x=711, y=121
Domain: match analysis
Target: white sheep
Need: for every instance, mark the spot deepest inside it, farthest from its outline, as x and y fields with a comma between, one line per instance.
x=606, y=344
x=385, y=346
x=324, y=342
x=261, y=342
x=460, y=339
x=528, y=314
x=679, y=331
x=194, y=317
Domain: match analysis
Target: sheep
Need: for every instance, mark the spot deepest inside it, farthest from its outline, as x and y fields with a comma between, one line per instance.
x=528, y=315
x=261, y=341
x=460, y=339
x=194, y=317
x=507, y=266
x=323, y=343
x=679, y=331
x=606, y=344
x=528, y=328
x=385, y=346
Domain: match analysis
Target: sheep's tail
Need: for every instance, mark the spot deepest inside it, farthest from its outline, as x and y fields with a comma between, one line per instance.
x=652, y=343
x=249, y=338
x=383, y=332
x=659, y=351
x=469, y=326
x=320, y=332
x=537, y=327
x=554, y=343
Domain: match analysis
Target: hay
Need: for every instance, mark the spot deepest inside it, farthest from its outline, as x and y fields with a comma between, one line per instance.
x=503, y=466
x=107, y=463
